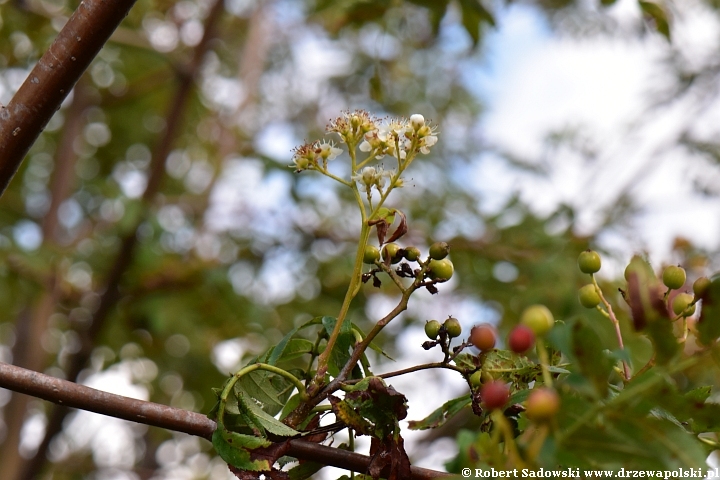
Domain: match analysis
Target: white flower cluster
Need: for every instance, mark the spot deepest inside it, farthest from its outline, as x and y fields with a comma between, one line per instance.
x=397, y=137
x=374, y=177
x=398, y=133
x=312, y=155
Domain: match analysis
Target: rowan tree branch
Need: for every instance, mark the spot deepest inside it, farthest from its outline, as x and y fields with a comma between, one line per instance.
x=73, y=395
x=55, y=74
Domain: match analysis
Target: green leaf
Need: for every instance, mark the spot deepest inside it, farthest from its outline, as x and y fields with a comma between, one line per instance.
x=278, y=349
x=291, y=405
x=267, y=422
x=473, y=15
x=708, y=326
x=342, y=351
x=379, y=403
x=267, y=388
x=699, y=394
x=442, y=414
x=437, y=8
x=234, y=449
x=304, y=470
x=663, y=339
x=508, y=366
x=297, y=347
x=373, y=346
x=658, y=14
x=589, y=355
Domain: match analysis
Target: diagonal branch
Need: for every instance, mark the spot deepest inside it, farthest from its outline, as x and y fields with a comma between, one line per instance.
x=55, y=74
x=73, y=395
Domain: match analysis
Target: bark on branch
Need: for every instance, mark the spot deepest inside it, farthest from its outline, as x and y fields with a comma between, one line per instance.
x=55, y=74
x=73, y=395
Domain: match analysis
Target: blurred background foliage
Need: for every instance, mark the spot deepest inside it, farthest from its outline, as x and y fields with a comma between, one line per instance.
x=161, y=294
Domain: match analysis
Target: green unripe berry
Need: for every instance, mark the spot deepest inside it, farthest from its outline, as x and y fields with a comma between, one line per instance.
x=542, y=404
x=589, y=262
x=372, y=253
x=432, y=329
x=441, y=269
x=674, y=277
x=681, y=302
x=538, y=318
x=390, y=253
x=700, y=286
x=439, y=250
x=412, y=254
x=588, y=296
x=476, y=379
x=452, y=327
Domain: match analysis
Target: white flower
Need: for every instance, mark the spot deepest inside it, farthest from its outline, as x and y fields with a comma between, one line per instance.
x=417, y=121
x=327, y=151
x=368, y=175
x=365, y=146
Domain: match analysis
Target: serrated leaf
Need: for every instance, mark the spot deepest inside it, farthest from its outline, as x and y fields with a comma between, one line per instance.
x=442, y=414
x=379, y=403
x=267, y=388
x=510, y=367
x=347, y=414
x=267, y=422
x=234, y=448
x=699, y=394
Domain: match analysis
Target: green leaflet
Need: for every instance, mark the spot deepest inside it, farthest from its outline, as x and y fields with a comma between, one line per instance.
x=442, y=414
x=588, y=352
x=341, y=352
x=502, y=365
x=708, y=325
x=269, y=389
x=235, y=448
x=262, y=420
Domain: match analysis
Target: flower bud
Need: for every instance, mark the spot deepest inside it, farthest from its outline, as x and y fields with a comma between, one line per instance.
x=417, y=121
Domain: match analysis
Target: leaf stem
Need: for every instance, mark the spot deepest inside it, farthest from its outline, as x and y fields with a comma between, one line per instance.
x=251, y=368
x=544, y=361
x=616, y=324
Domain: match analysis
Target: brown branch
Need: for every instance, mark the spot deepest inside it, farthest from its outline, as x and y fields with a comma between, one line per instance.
x=123, y=259
x=55, y=74
x=73, y=395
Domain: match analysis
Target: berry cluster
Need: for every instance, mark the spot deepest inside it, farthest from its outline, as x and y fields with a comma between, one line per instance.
x=437, y=268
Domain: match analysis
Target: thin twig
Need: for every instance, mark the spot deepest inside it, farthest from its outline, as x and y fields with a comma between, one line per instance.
x=73, y=395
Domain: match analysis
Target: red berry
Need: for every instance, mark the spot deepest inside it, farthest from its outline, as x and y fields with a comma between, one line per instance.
x=521, y=339
x=483, y=337
x=494, y=394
